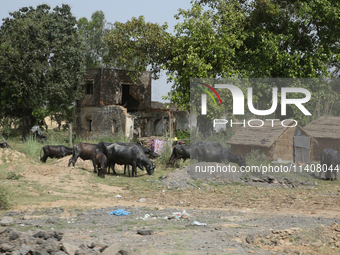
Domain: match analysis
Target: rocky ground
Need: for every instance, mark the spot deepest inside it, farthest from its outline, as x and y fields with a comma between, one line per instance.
x=166, y=231
x=176, y=212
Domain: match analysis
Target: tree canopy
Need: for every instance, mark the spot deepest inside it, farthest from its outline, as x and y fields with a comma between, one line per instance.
x=93, y=32
x=253, y=39
x=41, y=61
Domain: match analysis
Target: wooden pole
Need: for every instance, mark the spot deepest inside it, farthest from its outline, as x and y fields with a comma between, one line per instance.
x=70, y=134
x=170, y=126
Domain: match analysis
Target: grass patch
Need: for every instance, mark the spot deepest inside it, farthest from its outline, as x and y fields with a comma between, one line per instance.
x=13, y=175
x=4, y=198
x=255, y=158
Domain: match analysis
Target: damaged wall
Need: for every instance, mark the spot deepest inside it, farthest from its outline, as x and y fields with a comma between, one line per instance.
x=151, y=123
x=156, y=123
x=114, y=104
x=103, y=121
x=114, y=87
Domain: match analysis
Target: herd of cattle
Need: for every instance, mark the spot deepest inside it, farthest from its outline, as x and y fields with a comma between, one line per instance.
x=105, y=155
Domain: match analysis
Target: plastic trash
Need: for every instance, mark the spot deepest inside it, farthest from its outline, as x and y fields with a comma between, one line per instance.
x=146, y=216
x=184, y=213
x=196, y=223
x=178, y=215
x=118, y=195
x=119, y=212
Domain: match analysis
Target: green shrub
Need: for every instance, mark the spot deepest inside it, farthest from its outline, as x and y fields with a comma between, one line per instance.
x=255, y=158
x=4, y=198
x=183, y=135
x=165, y=154
x=13, y=176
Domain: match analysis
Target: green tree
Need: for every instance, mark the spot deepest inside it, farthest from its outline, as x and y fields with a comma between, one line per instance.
x=93, y=33
x=203, y=46
x=245, y=39
x=291, y=39
x=41, y=61
x=137, y=44
x=294, y=39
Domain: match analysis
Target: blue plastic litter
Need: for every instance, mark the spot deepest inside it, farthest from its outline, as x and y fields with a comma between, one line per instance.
x=119, y=212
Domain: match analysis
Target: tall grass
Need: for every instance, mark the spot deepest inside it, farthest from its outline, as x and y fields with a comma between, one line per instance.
x=165, y=154
x=255, y=158
x=4, y=198
x=32, y=148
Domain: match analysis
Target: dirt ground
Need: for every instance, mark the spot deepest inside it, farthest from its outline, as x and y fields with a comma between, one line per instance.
x=232, y=218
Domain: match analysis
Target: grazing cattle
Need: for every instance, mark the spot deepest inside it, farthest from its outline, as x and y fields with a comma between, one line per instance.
x=102, y=148
x=129, y=155
x=54, y=151
x=147, y=151
x=101, y=163
x=323, y=161
x=332, y=162
x=179, y=152
x=85, y=151
x=5, y=145
x=210, y=153
x=188, y=151
x=331, y=159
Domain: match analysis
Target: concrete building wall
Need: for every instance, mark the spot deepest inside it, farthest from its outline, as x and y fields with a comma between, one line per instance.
x=114, y=87
x=103, y=121
x=117, y=104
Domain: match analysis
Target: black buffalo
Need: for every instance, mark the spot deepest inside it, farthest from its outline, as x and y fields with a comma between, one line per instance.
x=188, y=151
x=128, y=155
x=85, y=151
x=147, y=151
x=54, y=151
x=211, y=153
x=331, y=159
x=323, y=161
x=5, y=145
x=101, y=163
x=179, y=152
x=102, y=148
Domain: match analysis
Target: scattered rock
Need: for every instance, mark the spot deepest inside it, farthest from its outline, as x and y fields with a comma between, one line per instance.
x=250, y=239
x=122, y=252
x=24, y=249
x=69, y=249
x=112, y=249
x=145, y=232
x=13, y=236
x=6, y=221
x=6, y=247
x=51, y=245
x=49, y=234
x=52, y=220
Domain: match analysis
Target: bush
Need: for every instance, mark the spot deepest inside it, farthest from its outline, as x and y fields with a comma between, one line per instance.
x=165, y=154
x=13, y=176
x=255, y=158
x=183, y=135
x=4, y=198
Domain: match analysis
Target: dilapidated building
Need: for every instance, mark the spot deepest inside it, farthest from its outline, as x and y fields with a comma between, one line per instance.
x=114, y=104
